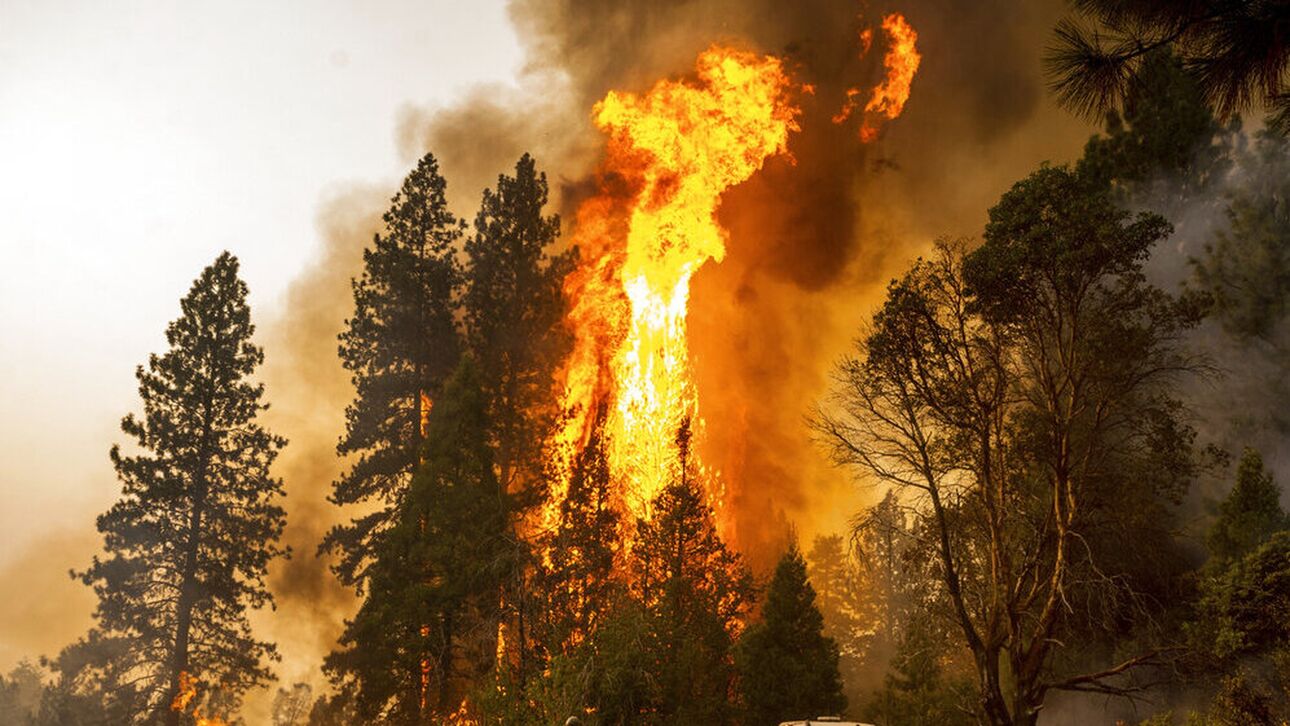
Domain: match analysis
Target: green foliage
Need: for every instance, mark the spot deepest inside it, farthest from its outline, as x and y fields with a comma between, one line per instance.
x=1246, y=699
x=1243, y=610
x=1021, y=394
x=432, y=592
x=513, y=308
x=416, y=313
x=917, y=690
x=1247, y=266
x=190, y=540
x=788, y=668
x=1166, y=132
x=1051, y=239
x=1235, y=50
x=400, y=345
x=1249, y=515
x=693, y=592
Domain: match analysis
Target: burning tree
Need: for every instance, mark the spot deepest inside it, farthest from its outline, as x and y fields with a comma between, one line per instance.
x=189, y=542
x=1020, y=396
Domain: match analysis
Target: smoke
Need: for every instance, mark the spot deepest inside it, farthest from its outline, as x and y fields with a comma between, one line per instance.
x=309, y=391
x=812, y=238
x=38, y=590
x=1246, y=402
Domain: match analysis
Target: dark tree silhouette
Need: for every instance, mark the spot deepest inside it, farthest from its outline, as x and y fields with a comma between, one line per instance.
x=1237, y=52
x=693, y=592
x=788, y=668
x=189, y=541
x=514, y=308
x=1250, y=514
x=400, y=345
x=426, y=633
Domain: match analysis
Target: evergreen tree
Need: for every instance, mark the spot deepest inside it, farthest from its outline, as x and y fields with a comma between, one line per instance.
x=20, y=695
x=578, y=581
x=1250, y=514
x=1236, y=50
x=190, y=540
x=694, y=592
x=1247, y=266
x=426, y=632
x=788, y=668
x=513, y=310
x=916, y=691
x=1166, y=132
x=400, y=345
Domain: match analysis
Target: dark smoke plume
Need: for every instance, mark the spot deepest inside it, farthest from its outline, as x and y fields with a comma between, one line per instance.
x=811, y=244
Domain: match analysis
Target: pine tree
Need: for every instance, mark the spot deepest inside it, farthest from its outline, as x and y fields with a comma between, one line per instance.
x=1246, y=268
x=1166, y=132
x=916, y=691
x=788, y=668
x=1250, y=514
x=694, y=592
x=190, y=540
x=426, y=632
x=400, y=345
x=513, y=308
x=578, y=581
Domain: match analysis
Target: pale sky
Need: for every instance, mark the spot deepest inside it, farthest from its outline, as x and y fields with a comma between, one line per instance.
x=140, y=138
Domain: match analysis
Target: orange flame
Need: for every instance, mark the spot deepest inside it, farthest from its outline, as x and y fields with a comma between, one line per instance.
x=900, y=64
x=671, y=154
x=186, y=694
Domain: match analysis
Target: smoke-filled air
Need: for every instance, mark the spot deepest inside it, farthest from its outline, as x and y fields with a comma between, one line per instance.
x=703, y=362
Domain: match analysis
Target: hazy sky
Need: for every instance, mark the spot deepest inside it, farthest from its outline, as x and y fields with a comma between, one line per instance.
x=137, y=140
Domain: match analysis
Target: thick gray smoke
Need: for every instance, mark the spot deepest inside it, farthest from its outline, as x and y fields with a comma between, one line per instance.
x=1246, y=402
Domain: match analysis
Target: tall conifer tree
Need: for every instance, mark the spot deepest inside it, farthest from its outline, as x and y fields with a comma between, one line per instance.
x=400, y=345
x=788, y=668
x=189, y=542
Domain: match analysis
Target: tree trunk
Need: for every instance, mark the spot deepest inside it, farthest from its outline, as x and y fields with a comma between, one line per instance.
x=184, y=608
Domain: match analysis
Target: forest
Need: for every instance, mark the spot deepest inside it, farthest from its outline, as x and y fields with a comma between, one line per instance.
x=1071, y=426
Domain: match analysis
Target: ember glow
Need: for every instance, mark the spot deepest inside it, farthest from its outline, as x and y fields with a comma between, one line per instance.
x=671, y=154
x=900, y=64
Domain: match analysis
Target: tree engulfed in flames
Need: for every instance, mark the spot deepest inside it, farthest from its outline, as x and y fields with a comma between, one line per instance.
x=900, y=63
x=671, y=153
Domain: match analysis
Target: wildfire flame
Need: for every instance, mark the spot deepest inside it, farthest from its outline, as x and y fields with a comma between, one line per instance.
x=185, y=696
x=900, y=64
x=671, y=154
